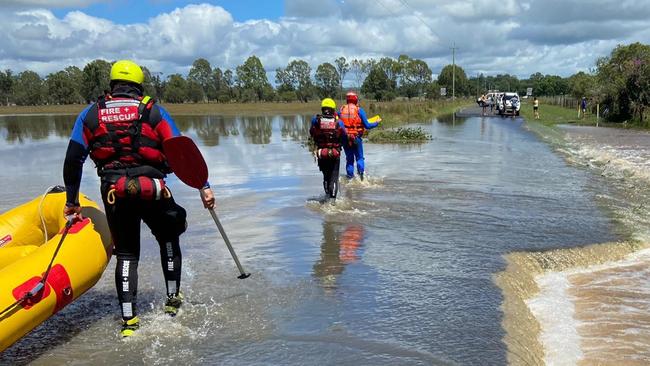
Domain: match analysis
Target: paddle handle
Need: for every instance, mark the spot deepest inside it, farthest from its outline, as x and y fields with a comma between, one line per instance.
x=242, y=273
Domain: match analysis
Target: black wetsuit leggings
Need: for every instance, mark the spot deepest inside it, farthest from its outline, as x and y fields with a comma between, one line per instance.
x=166, y=219
x=330, y=169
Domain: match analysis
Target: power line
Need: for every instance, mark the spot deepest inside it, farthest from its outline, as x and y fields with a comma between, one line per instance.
x=414, y=14
x=419, y=18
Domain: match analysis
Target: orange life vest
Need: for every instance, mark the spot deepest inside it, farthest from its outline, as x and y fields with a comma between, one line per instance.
x=351, y=120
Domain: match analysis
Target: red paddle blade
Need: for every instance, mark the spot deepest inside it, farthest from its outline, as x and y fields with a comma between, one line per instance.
x=186, y=161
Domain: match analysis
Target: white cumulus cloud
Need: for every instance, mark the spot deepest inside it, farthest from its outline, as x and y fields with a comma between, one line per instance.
x=508, y=36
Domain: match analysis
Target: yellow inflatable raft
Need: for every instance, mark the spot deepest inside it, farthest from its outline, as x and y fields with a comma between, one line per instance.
x=29, y=236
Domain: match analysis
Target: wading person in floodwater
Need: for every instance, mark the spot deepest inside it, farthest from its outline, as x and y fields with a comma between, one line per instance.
x=355, y=121
x=327, y=131
x=123, y=135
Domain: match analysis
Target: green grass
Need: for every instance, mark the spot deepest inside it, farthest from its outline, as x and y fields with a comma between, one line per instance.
x=552, y=114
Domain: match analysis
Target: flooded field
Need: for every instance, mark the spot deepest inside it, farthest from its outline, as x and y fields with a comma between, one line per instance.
x=400, y=271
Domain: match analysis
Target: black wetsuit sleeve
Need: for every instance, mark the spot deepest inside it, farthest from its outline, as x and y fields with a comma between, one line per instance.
x=75, y=157
x=72, y=169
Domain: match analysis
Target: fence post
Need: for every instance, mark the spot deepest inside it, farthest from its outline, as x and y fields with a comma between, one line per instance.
x=597, y=113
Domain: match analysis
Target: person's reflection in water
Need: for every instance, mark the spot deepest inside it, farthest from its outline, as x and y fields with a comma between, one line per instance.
x=337, y=250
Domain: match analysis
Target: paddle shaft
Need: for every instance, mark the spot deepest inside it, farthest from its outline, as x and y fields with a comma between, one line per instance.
x=243, y=274
x=188, y=164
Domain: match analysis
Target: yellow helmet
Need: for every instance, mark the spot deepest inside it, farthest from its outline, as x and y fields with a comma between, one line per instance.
x=127, y=70
x=328, y=103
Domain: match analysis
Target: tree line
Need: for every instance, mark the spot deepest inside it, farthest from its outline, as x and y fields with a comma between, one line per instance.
x=381, y=79
x=620, y=81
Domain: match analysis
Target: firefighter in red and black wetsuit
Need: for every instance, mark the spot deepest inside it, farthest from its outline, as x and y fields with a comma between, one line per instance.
x=327, y=131
x=123, y=134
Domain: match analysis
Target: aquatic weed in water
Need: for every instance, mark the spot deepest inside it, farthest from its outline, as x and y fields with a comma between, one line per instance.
x=400, y=135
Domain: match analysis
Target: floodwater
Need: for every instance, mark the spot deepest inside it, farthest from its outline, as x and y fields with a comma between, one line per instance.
x=400, y=271
x=596, y=312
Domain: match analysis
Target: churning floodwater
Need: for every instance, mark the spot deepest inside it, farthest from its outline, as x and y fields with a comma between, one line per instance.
x=595, y=310
x=400, y=271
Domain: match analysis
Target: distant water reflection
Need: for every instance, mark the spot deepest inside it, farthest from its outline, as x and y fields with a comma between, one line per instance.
x=208, y=129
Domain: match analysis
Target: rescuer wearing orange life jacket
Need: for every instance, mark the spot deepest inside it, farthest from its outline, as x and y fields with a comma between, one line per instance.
x=123, y=134
x=327, y=131
x=355, y=121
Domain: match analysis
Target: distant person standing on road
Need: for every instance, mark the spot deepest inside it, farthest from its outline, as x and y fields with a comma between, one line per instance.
x=536, y=108
x=583, y=106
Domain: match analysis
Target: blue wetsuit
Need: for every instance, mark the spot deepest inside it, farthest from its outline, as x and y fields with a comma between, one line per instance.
x=354, y=149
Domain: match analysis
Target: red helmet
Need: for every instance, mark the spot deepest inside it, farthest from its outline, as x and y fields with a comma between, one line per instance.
x=351, y=97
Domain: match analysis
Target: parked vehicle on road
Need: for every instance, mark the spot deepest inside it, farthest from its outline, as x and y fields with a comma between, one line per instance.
x=509, y=104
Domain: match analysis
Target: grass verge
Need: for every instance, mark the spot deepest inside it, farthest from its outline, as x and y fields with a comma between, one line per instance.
x=552, y=114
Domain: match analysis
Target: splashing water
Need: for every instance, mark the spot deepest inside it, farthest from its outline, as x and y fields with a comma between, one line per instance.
x=591, y=303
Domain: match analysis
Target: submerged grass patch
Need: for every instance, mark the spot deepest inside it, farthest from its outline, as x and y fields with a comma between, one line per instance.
x=400, y=135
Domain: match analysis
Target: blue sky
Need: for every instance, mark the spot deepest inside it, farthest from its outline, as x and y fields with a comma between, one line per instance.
x=126, y=12
x=519, y=37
